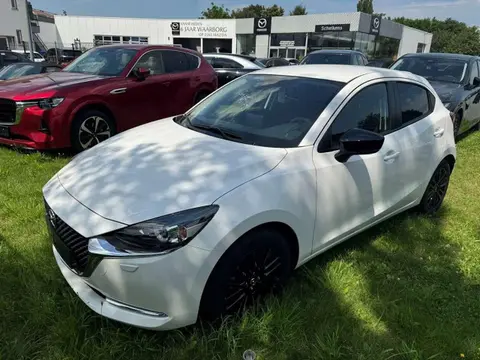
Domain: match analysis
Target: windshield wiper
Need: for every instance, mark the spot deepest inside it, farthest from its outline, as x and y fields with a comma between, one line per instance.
x=218, y=130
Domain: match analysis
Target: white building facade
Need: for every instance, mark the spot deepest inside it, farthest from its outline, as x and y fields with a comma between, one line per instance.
x=13, y=24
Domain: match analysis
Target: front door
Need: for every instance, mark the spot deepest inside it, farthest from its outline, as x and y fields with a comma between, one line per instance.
x=144, y=100
x=350, y=195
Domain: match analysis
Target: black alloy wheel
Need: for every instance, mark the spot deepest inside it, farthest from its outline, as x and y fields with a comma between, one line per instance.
x=436, y=189
x=258, y=264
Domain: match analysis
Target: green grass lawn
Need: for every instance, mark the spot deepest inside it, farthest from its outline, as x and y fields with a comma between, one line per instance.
x=407, y=289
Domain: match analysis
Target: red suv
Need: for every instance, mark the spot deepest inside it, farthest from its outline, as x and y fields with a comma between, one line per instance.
x=106, y=90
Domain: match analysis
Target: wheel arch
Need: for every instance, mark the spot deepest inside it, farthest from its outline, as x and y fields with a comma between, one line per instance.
x=99, y=106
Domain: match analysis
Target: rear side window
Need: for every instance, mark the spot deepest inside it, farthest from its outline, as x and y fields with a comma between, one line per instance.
x=193, y=61
x=221, y=63
x=367, y=110
x=414, y=102
x=175, y=61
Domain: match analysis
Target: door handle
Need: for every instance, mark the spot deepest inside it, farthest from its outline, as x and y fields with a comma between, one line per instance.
x=439, y=132
x=118, y=91
x=391, y=155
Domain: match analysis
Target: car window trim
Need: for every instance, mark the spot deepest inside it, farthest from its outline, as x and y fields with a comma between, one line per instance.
x=391, y=105
x=174, y=49
x=431, y=104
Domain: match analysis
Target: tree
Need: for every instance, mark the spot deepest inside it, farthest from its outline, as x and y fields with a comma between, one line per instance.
x=449, y=36
x=299, y=10
x=216, y=12
x=258, y=11
x=365, y=6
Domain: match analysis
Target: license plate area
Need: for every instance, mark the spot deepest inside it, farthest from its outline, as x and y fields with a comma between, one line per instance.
x=5, y=131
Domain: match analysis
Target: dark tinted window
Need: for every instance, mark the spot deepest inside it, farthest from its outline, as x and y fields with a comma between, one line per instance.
x=413, y=101
x=9, y=58
x=473, y=72
x=175, y=61
x=326, y=58
x=366, y=110
x=433, y=68
x=152, y=61
x=193, y=61
x=265, y=110
x=223, y=63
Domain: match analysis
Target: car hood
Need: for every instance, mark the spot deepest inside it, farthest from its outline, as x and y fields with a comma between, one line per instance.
x=29, y=85
x=447, y=92
x=161, y=168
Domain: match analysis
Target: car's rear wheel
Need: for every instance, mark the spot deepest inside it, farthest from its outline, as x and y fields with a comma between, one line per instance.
x=91, y=127
x=436, y=189
x=259, y=263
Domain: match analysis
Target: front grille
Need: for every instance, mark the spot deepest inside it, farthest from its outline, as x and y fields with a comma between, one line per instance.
x=76, y=244
x=7, y=111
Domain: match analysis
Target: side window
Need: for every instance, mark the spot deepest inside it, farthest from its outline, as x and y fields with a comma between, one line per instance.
x=414, y=102
x=50, y=69
x=175, y=61
x=357, y=60
x=222, y=63
x=368, y=110
x=193, y=61
x=473, y=72
x=153, y=61
x=10, y=58
x=365, y=60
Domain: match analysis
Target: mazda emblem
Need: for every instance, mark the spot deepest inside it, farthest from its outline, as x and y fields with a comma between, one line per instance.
x=262, y=23
x=376, y=23
x=175, y=25
x=52, y=217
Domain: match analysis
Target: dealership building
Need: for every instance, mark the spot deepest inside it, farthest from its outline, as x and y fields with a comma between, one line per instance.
x=286, y=36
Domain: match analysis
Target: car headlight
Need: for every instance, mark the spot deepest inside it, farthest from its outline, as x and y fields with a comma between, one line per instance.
x=50, y=103
x=160, y=235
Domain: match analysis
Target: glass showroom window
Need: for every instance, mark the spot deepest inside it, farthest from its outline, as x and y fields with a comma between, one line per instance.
x=365, y=43
x=118, y=39
x=331, y=40
x=246, y=44
x=386, y=47
x=298, y=39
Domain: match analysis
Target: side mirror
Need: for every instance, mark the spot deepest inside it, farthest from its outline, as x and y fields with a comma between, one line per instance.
x=141, y=73
x=358, y=142
x=476, y=82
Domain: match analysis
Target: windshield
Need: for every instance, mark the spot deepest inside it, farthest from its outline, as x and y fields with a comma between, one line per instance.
x=102, y=61
x=258, y=63
x=264, y=110
x=437, y=69
x=17, y=70
x=71, y=53
x=324, y=58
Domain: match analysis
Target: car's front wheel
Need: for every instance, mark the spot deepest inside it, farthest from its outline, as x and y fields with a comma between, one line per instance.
x=436, y=189
x=91, y=127
x=259, y=263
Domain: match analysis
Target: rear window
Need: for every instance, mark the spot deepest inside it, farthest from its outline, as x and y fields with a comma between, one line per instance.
x=324, y=58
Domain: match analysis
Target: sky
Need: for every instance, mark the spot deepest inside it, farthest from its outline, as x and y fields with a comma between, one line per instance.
x=462, y=10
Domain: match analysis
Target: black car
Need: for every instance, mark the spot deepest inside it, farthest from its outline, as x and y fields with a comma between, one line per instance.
x=272, y=62
x=231, y=66
x=62, y=56
x=343, y=57
x=9, y=57
x=455, y=77
x=16, y=70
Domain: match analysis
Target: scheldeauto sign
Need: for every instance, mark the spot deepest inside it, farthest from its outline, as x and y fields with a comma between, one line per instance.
x=262, y=25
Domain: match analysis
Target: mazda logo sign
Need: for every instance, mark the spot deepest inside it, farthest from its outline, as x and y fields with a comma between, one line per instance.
x=262, y=23
x=376, y=23
x=52, y=217
x=175, y=25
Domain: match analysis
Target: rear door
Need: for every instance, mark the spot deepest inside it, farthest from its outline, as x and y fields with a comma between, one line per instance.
x=183, y=79
x=420, y=135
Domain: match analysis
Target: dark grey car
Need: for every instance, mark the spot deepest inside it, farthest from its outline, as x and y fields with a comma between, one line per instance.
x=341, y=57
x=456, y=79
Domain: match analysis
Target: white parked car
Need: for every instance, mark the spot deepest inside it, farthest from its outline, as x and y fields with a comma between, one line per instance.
x=202, y=213
x=37, y=57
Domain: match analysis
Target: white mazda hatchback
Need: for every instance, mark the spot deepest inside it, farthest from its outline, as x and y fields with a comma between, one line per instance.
x=203, y=213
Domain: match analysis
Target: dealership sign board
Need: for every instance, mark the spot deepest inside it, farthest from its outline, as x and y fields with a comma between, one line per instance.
x=262, y=25
x=203, y=29
x=332, y=27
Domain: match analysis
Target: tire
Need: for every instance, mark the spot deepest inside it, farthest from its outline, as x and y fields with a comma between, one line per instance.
x=200, y=96
x=436, y=189
x=457, y=124
x=89, y=128
x=258, y=264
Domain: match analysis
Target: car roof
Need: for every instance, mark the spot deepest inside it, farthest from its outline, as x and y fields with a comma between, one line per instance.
x=340, y=73
x=333, y=51
x=442, y=55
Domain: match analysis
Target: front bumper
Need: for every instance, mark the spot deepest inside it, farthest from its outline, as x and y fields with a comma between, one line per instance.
x=156, y=293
